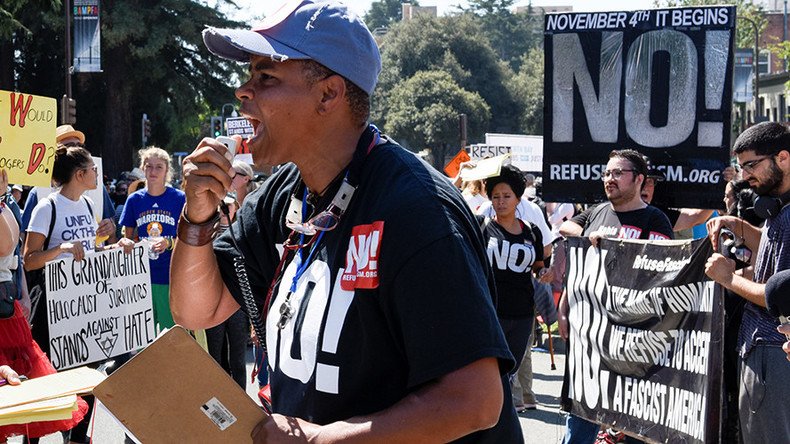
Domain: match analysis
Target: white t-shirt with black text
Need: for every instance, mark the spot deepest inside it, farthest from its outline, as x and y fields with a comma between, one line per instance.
x=74, y=221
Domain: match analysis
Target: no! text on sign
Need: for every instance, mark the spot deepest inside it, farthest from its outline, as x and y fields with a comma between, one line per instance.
x=27, y=137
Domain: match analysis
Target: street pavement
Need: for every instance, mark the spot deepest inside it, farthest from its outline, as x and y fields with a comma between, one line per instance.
x=542, y=426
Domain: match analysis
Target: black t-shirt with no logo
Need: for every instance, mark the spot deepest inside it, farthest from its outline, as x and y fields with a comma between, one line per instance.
x=350, y=353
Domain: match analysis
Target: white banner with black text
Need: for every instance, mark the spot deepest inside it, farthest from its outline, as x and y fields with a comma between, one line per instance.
x=99, y=307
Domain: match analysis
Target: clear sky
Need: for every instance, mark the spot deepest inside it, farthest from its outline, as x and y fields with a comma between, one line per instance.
x=258, y=8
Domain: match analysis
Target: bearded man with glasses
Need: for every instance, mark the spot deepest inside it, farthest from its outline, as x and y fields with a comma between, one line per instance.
x=624, y=216
x=763, y=153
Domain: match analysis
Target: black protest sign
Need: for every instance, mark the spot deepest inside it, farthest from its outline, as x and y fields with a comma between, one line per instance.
x=658, y=81
x=99, y=307
x=646, y=335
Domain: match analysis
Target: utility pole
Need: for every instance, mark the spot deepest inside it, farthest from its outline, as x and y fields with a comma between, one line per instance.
x=462, y=129
x=757, y=111
x=67, y=5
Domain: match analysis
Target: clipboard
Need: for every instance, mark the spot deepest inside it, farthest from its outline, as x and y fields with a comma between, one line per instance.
x=173, y=391
x=69, y=382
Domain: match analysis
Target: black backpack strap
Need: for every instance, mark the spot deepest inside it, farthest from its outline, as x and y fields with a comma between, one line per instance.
x=90, y=210
x=51, y=222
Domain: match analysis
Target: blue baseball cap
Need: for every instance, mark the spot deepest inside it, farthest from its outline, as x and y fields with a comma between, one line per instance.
x=324, y=31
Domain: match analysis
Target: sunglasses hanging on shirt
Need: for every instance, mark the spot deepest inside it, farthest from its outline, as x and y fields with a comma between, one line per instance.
x=322, y=222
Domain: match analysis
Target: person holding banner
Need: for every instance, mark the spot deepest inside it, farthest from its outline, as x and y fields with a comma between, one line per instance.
x=60, y=225
x=624, y=216
x=763, y=153
x=17, y=347
x=153, y=214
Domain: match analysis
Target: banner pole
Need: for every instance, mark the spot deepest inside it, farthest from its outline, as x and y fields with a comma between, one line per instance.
x=67, y=62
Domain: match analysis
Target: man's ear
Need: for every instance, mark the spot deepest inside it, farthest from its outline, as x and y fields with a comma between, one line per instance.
x=642, y=183
x=333, y=93
x=783, y=160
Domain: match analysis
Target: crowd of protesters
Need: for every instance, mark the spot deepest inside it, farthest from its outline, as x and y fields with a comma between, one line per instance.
x=511, y=214
x=521, y=233
x=437, y=317
x=43, y=224
x=753, y=347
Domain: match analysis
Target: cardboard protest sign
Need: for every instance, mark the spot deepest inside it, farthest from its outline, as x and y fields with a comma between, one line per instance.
x=27, y=137
x=646, y=338
x=240, y=126
x=99, y=307
x=485, y=168
x=658, y=81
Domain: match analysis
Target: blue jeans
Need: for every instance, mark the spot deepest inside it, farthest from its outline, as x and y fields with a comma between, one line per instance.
x=579, y=430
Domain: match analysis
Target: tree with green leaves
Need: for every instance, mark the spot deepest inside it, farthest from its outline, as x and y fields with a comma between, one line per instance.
x=383, y=13
x=511, y=35
x=527, y=87
x=425, y=111
x=457, y=46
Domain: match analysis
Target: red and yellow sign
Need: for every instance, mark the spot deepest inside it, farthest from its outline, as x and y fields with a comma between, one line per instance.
x=27, y=137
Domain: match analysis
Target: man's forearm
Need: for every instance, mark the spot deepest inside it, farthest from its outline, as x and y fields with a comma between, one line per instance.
x=460, y=403
x=747, y=289
x=749, y=233
x=39, y=259
x=570, y=228
x=198, y=296
x=690, y=218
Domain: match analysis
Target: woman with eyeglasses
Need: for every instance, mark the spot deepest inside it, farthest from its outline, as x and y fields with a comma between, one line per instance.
x=152, y=214
x=71, y=232
x=515, y=252
x=18, y=351
x=61, y=225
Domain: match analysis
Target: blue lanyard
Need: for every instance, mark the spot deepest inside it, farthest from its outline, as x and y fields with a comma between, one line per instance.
x=353, y=169
x=302, y=264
